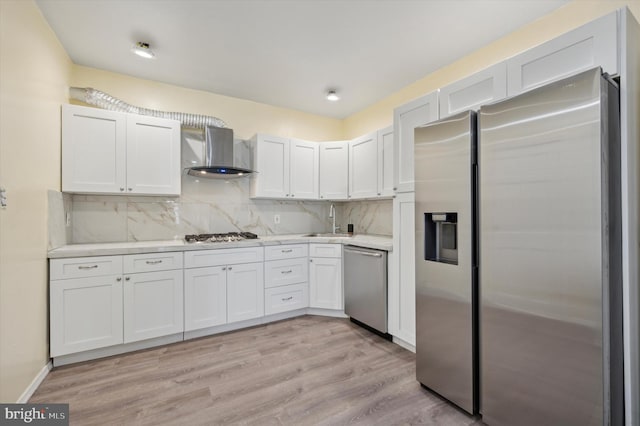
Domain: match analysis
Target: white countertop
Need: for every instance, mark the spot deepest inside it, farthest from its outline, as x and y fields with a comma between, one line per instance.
x=380, y=242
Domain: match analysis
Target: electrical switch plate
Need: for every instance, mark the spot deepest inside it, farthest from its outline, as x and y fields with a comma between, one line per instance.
x=276, y=219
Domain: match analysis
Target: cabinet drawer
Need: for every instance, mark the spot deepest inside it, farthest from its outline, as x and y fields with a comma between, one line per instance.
x=325, y=250
x=288, y=251
x=152, y=262
x=286, y=298
x=286, y=271
x=80, y=267
x=202, y=258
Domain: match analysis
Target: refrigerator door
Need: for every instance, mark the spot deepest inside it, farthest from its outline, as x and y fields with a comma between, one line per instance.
x=444, y=154
x=544, y=265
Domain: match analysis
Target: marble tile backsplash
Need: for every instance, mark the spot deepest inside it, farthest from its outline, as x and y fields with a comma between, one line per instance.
x=369, y=217
x=205, y=206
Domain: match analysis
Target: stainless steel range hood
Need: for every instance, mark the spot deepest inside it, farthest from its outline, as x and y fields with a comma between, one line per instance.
x=218, y=156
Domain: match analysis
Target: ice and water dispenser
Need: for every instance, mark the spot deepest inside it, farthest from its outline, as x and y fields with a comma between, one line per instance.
x=441, y=237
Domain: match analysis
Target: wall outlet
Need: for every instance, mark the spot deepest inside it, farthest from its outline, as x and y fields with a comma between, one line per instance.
x=276, y=219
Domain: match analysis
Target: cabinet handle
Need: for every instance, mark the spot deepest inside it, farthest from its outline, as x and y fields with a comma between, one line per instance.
x=310, y=260
x=88, y=267
x=379, y=193
x=121, y=189
x=230, y=268
x=293, y=195
x=130, y=189
x=284, y=299
x=395, y=188
x=224, y=268
x=153, y=262
x=119, y=279
x=287, y=251
x=322, y=196
x=286, y=272
x=127, y=278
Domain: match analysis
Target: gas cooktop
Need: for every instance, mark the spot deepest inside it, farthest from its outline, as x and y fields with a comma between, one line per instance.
x=220, y=238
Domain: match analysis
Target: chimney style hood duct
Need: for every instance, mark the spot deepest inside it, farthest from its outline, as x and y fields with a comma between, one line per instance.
x=218, y=158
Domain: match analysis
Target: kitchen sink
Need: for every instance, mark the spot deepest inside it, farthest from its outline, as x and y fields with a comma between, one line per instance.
x=329, y=235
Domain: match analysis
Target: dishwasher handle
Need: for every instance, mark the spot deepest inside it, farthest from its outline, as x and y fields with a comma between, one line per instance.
x=365, y=253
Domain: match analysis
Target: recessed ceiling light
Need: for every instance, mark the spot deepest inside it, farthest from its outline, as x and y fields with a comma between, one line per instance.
x=143, y=50
x=332, y=96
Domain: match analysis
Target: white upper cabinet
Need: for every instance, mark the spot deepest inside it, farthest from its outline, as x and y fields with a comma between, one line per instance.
x=486, y=86
x=271, y=162
x=405, y=119
x=304, y=173
x=363, y=166
x=286, y=168
x=94, y=150
x=109, y=152
x=334, y=170
x=153, y=156
x=593, y=44
x=385, y=162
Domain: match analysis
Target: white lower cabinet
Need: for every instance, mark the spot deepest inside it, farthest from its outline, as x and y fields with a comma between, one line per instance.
x=86, y=313
x=205, y=297
x=245, y=291
x=223, y=286
x=325, y=276
x=402, y=284
x=152, y=305
x=286, y=278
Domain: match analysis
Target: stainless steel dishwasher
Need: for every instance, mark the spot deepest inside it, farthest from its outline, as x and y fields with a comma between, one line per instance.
x=365, y=287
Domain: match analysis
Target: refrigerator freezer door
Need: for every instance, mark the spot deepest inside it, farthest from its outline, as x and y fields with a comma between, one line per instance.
x=444, y=153
x=543, y=269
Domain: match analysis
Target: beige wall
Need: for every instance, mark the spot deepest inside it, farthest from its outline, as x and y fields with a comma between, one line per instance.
x=246, y=118
x=32, y=86
x=562, y=20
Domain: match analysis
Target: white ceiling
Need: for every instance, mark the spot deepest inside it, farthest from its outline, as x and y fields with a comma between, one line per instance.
x=286, y=53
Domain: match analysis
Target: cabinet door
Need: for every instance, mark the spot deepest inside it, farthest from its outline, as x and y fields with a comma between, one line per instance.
x=488, y=85
x=93, y=150
x=245, y=291
x=405, y=119
x=402, y=288
x=363, y=166
x=86, y=313
x=325, y=283
x=153, y=155
x=205, y=297
x=153, y=305
x=304, y=169
x=271, y=162
x=593, y=44
x=385, y=162
x=334, y=170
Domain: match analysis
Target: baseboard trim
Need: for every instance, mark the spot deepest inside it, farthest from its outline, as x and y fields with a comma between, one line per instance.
x=35, y=383
x=408, y=346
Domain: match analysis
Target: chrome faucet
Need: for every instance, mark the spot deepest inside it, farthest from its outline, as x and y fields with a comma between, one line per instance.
x=332, y=215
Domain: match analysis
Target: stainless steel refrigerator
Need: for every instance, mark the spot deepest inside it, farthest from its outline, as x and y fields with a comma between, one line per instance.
x=549, y=191
x=446, y=308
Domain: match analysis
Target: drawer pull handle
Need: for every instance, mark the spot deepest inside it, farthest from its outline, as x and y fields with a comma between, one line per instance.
x=287, y=251
x=127, y=278
x=284, y=299
x=88, y=267
x=286, y=272
x=153, y=262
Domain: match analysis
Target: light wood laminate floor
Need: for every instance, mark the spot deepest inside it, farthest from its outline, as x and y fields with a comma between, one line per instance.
x=308, y=370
